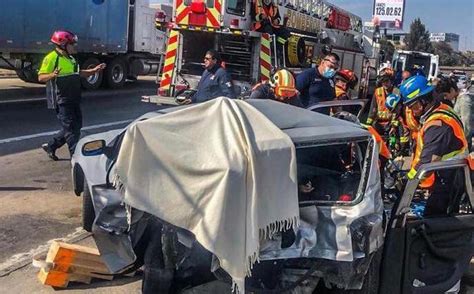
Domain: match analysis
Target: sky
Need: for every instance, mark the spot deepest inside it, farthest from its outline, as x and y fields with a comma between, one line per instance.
x=439, y=16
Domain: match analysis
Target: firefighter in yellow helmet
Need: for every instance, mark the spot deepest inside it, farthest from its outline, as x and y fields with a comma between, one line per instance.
x=280, y=88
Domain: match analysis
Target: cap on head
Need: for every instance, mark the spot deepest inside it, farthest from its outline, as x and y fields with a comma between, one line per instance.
x=386, y=74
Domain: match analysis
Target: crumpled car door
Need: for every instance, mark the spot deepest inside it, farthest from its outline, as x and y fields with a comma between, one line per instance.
x=430, y=254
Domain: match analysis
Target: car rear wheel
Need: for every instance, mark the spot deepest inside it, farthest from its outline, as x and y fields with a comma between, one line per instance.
x=88, y=212
x=371, y=279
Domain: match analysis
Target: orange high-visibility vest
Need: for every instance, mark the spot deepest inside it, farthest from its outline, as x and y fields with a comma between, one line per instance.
x=446, y=115
x=383, y=149
x=340, y=92
x=383, y=114
x=412, y=124
x=270, y=11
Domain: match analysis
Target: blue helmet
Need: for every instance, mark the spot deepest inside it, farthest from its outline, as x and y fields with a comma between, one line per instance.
x=392, y=101
x=413, y=88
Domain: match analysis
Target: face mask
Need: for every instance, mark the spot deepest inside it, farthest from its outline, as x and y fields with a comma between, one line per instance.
x=329, y=73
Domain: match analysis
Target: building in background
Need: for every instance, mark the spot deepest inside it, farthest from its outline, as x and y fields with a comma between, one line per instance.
x=450, y=38
x=397, y=39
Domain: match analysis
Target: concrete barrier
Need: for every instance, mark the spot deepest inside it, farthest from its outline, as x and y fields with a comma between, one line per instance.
x=7, y=74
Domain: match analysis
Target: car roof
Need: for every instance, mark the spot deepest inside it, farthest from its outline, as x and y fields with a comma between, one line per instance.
x=300, y=124
x=303, y=125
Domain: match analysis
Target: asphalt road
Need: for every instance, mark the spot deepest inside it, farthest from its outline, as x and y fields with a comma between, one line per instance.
x=37, y=202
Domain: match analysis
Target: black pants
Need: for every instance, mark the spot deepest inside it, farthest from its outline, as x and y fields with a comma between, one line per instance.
x=70, y=118
x=445, y=196
x=281, y=31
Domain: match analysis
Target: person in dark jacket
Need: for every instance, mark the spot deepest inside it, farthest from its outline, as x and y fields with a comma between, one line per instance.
x=215, y=81
x=61, y=72
x=316, y=84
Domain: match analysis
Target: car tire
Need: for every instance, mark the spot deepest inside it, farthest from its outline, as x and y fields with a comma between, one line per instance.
x=92, y=82
x=88, y=212
x=371, y=279
x=115, y=73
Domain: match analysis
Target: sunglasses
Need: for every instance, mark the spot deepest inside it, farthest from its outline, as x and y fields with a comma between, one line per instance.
x=335, y=65
x=208, y=58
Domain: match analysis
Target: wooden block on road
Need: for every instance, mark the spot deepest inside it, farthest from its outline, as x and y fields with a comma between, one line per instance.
x=60, y=279
x=72, y=263
x=64, y=255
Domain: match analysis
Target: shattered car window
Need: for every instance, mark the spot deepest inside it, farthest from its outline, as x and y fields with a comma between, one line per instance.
x=330, y=173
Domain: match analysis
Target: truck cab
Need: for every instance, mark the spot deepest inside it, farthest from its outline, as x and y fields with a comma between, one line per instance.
x=423, y=63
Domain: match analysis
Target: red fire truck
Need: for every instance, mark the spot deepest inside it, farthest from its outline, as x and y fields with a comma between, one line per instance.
x=249, y=56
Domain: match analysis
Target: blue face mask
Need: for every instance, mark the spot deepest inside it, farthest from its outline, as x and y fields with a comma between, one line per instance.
x=329, y=73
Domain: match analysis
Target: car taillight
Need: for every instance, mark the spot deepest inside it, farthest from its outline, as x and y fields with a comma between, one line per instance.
x=234, y=23
x=345, y=198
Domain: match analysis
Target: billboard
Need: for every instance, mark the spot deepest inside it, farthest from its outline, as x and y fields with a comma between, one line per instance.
x=389, y=14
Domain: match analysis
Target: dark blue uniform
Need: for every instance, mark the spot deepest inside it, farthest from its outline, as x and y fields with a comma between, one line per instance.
x=314, y=88
x=215, y=82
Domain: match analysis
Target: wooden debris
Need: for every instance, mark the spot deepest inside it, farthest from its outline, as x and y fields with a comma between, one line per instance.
x=71, y=263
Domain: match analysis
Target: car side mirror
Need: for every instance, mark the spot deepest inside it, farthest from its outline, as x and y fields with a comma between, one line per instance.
x=94, y=148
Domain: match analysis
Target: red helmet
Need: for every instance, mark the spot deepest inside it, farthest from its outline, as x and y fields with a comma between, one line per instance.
x=347, y=76
x=62, y=38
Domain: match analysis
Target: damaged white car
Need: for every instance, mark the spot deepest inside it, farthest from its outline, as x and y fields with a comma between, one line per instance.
x=260, y=197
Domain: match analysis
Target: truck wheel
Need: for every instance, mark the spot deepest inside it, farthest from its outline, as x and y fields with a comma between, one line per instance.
x=115, y=73
x=92, y=82
x=88, y=212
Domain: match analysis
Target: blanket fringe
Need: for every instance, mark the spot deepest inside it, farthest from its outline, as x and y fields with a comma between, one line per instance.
x=120, y=186
x=118, y=183
x=267, y=233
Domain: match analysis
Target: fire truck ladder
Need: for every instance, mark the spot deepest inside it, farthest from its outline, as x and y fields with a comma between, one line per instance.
x=237, y=54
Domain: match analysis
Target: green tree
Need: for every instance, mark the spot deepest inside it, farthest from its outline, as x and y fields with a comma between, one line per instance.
x=468, y=58
x=388, y=48
x=447, y=56
x=418, y=39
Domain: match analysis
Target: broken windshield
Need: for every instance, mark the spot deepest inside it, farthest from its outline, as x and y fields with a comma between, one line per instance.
x=332, y=172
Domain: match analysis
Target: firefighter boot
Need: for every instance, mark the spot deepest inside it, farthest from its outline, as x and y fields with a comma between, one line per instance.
x=49, y=151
